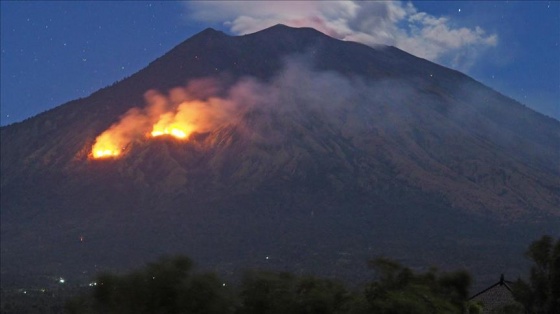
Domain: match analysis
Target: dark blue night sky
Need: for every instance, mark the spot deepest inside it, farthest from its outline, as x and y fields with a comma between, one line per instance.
x=54, y=52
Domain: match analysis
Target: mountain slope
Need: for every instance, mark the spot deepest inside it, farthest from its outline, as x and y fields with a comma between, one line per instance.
x=335, y=152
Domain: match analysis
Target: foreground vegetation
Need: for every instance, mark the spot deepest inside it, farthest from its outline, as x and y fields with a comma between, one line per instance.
x=172, y=285
x=541, y=294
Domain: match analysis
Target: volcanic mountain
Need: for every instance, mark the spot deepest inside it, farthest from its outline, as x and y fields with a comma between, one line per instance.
x=306, y=153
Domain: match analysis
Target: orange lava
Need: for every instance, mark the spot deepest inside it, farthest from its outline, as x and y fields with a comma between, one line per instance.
x=172, y=131
x=106, y=146
x=176, y=116
x=107, y=153
x=175, y=124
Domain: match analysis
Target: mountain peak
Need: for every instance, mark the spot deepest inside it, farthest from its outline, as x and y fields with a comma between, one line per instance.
x=210, y=32
x=346, y=143
x=282, y=29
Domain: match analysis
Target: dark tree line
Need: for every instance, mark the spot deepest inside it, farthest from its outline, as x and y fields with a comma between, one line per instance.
x=171, y=285
x=541, y=293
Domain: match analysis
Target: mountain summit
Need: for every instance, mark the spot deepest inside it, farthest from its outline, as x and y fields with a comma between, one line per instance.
x=284, y=148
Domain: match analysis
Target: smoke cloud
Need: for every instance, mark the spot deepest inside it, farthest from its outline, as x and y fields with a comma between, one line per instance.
x=180, y=112
x=369, y=22
x=205, y=105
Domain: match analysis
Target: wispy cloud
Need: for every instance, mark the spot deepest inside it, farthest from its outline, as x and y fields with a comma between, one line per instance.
x=370, y=22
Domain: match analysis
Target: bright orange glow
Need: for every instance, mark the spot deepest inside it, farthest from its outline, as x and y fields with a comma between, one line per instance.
x=105, y=147
x=105, y=153
x=177, y=115
x=177, y=129
x=177, y=133
x=176, y=123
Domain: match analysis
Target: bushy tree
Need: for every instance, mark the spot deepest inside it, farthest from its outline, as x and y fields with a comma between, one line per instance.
x=541, y=294
x=170, y=286
x=398, y=289
x=277, y=293
x=167, y=286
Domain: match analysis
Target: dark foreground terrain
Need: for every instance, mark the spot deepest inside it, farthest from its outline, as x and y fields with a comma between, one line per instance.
x=173, y=285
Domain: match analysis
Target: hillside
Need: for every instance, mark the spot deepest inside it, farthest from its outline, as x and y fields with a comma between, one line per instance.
x=314, y=155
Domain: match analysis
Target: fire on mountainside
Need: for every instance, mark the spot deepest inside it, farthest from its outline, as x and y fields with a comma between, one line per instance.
x=112, y=142
x=176, y=115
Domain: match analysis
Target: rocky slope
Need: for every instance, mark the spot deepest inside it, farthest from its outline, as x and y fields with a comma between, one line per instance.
x=337, y=152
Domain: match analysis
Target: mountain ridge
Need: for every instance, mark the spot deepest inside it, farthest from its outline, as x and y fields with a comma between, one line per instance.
x=327, y=136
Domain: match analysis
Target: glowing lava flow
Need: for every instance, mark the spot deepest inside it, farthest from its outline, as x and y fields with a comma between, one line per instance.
x=177, y=133
x=107, y=153
x=175, y=117
x=106, y=147
x=173, y=124
x=111, y=144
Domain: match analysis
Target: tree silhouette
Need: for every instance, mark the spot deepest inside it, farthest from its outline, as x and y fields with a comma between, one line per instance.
x=541, y=295
x=170, y=286
x=399, y=290
x=271, y=293
x=167, y=286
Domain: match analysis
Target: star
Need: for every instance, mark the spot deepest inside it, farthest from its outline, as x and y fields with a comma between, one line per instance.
x=459, y=10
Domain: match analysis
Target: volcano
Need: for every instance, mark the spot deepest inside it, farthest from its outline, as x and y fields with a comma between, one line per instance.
x=306, y=153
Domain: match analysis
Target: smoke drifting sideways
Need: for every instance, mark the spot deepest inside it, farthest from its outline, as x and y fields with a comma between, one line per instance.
x=177, y=114
x=295, y=94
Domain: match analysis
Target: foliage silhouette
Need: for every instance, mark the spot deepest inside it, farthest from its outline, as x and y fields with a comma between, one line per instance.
x=541, y=295
x=268, y=292
x=171, y=286
x=167, y=286
x=399, y=290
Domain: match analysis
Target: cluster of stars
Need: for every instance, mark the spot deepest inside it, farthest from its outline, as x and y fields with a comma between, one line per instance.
x=78, y=49
x=74, y=54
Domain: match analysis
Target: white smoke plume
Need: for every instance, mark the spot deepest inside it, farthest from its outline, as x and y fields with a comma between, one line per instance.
x=369, y=22
x=205, y=105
